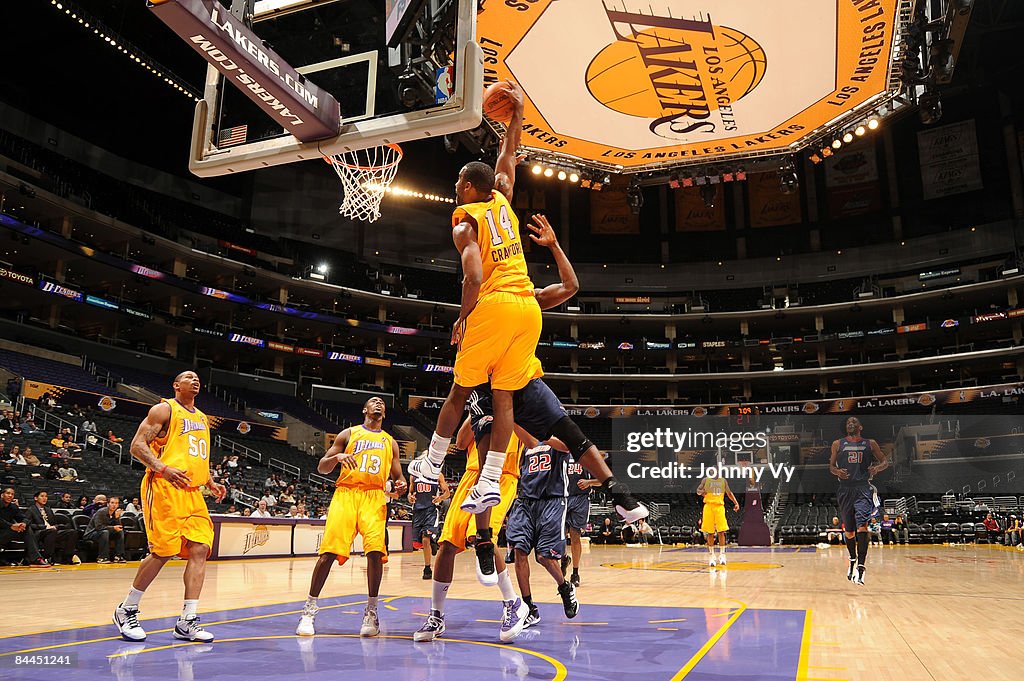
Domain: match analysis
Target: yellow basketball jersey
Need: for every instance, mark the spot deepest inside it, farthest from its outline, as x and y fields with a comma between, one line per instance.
x=497, y=234
x=372, y=449
x=714, y=491
x=186, y=444
x=512, y=454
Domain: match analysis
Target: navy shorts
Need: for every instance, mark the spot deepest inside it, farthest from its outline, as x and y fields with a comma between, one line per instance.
x=426, y=521
x=536, y=408
x=857, y=505
x=578, y=514
x=537, y=525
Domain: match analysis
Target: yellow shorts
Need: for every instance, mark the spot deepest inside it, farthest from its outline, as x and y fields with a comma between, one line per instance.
x=713, y=519
x=499, y=343
x=173, y=515
x=459, y=525
x=354, y=510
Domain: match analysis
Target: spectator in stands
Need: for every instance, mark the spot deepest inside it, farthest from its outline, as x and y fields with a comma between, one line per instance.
x=17, y=424
x=57, y=544
x=321, y=512
x=66, y=473
x=75, y=412
x=13, y=388
x=113, y=438
x=887, y=533
x=286, y=496
x=29, y=427
x=6, y=423
x=1013, y=531
x=246, y=512
x=261, y=510
x=293, y=511
x=9, y=478
x=270, y=482
x=105, y=527
x=48, y=400
x=644, y=531
x=83, y=503
x=992, y=526
x=232, y=510
x=14, y=528
x=66, y=502
x=98, y=502
x=302, y=510
x=30, y=458
x=15, y=456
x=875, y=530
x=233, y=462
x=89, y=431
x=834, y=533
x=606, y=533
x=134, y=506
x=269, y=498
x=900, y=529
x=3, y=452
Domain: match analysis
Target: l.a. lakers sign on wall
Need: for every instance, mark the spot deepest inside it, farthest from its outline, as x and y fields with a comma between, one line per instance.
x=635, y=83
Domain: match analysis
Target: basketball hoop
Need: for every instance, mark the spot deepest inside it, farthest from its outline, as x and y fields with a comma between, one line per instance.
x=365, y=177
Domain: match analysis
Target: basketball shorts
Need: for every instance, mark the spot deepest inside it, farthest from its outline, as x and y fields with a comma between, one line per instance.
x=353, y=511
x=174, y=515
x=537, y=409
x=538, y=525
x=425, y=521
x=499, y=342
x=578, y=512
x=460, y=525
x=713, y=519
x=857, y=504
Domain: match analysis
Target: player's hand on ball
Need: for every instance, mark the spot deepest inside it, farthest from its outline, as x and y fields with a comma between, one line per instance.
x=545, y=235
x=347, y=460
x=515, y=93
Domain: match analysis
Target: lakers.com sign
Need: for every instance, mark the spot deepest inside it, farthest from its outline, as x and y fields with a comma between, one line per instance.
x=633, y=83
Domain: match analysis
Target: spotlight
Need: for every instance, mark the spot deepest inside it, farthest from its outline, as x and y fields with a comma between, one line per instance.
x=836, y=143
x=574, y=177
x=548, y=172
x=859, y=132
x=847, y=138
x=873, y=124
x=561, y=175
x=585, y=183
x=537, y=170
x=607, y=179
x=815, y=159
x=826, y=152
x=322, y=268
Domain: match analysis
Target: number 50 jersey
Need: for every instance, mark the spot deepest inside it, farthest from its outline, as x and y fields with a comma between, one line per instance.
x=187, y=443
x=372, y=450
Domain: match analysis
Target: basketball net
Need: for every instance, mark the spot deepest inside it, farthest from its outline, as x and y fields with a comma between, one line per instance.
x=366, y=175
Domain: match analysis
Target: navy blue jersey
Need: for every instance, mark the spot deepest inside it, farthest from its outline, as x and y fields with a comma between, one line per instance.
x=536, y=407
x=854, y=457
x=574, y=473
x=425, y=493
x=542, y=474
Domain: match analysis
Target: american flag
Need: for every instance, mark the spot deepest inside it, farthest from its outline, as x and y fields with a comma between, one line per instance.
x=233, y=136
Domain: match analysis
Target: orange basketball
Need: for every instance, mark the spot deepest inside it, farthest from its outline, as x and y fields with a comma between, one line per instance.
x=497, y=105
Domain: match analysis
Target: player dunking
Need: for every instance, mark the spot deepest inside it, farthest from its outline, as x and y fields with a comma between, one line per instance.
x=714, y=491
x=426, y=515
x=499, y=322
x=173, y=442
x=368, y=458
x=855, y=461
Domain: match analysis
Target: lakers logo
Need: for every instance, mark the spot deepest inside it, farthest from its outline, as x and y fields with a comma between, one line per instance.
x=107, y=403
x=682, y=74
x=259, y=536
x=244, y=427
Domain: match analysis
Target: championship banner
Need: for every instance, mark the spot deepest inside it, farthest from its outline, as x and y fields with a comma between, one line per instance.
x=635, y=83
x=610, y=212
x=949, y=160
x=851, y=176
x=286, y=96
x=693, y=215
x=769, y=207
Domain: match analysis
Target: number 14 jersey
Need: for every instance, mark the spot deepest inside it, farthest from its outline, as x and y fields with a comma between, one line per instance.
x=497, y=235
x=372, y=451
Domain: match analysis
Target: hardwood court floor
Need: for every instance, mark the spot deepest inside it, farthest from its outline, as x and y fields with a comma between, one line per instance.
x=928, y=612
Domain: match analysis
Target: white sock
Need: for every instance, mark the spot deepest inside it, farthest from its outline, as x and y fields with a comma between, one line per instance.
x=438, y=449
x=189, y=609
x=439, y=595
x=721, y=550
x=508, y=593
x=133, y=598
x=711, y=550
x=493, y=464
x=371, y=602
x=311, y=601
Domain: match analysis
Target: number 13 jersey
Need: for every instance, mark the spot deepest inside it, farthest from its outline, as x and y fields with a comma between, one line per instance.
x=497, y=234
x=372, y=451
x=186, y=445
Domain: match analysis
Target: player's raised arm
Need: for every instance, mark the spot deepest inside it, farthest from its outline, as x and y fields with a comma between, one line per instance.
x=464, y=236
x=554, y=294
x=334, y=455
x=881, y=460
x=835, y=470
x=505, y=167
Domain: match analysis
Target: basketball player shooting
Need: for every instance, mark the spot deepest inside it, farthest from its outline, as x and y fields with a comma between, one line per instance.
x=173, y=442
x=855, y=461
x=499, y=321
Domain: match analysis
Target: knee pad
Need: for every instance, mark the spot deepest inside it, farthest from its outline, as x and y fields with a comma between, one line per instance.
x=566, y=430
